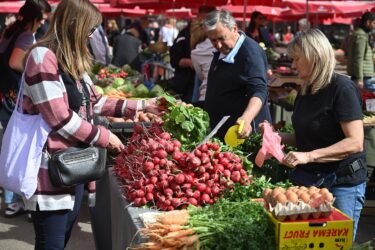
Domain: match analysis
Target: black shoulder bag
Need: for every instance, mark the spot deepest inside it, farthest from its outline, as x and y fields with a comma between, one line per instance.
x=75, y=165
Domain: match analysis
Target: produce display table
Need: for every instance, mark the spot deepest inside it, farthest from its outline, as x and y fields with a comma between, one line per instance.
x=277, y=106
x=125, y=219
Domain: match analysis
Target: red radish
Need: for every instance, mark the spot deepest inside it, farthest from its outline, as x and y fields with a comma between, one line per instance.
x=236, y=176
x=227, y=173
x=162, y=162
x=149, y=196
x=207, y=190
x=177, y=156
x=205, y=198
x=198, y=153
x=156, y=160
x=138, y=202
x=149, y=188
x=195, y=161
x=165, y=136
x=168, y=192
x=197, y=194
x=176, y=143
x=189, y=192
x=214, y=146
x=174, y=186
x=140, y=193
x=179, y=179
x=215, y=190
x=204, y=148
x=153, y=179
x=201, y=170
x=148, y=165
x=186, y=186
x=201, y=187
x=193, y=201
x=161, y=154
x=175, y=202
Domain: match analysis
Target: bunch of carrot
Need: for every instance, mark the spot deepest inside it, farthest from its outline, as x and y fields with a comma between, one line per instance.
x=224, y=225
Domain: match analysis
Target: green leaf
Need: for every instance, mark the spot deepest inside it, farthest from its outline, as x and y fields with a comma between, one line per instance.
x=188, y=126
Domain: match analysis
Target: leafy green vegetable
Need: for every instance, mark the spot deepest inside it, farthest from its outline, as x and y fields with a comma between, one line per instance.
x=232, y=225
x=254, y=190
x=188, y=124
x=271, y=167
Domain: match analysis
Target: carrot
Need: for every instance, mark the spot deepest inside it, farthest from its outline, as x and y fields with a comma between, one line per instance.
x=179, y=217
x=179, y=234
x=190, y=240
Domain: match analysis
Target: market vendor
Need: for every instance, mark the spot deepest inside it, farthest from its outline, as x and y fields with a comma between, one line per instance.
x=236, y=84
x=327, y=120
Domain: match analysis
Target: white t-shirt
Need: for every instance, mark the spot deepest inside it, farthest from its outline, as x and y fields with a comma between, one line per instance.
x=167, y=35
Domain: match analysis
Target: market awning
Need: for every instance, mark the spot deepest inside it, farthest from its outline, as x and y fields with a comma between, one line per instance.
x=167, y=4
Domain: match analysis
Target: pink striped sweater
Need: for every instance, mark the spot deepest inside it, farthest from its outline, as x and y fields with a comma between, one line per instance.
x=45, y=93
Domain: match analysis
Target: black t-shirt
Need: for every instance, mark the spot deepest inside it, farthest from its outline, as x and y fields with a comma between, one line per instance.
x=316, y=121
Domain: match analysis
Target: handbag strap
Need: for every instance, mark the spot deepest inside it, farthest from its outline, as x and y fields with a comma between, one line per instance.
x=19, y=101
x=86, y=99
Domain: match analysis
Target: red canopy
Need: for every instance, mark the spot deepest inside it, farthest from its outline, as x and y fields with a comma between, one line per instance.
x=166, y=4
x=107, y=10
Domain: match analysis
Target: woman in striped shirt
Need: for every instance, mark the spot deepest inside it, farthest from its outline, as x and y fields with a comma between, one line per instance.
x=55, y=72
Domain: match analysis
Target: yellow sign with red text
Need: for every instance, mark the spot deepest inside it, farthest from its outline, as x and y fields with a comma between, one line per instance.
x=334, y=232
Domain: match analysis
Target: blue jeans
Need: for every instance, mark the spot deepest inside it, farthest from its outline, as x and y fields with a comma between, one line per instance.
x=350, y=201
x=53, y=228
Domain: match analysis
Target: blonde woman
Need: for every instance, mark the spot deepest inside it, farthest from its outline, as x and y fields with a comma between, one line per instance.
x=168, y=32
x=57, y=86
x=112, y=31
x=327, y=120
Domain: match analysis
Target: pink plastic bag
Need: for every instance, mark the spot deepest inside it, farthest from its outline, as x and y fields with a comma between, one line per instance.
x=271, y=146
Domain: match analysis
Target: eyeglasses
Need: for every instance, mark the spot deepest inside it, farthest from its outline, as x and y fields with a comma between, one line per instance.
x=92, y=30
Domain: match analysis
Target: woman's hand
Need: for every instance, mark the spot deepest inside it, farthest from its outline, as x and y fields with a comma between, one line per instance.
x=151, y=106
x=292, y=159
x=246, y=130
x=115, y=144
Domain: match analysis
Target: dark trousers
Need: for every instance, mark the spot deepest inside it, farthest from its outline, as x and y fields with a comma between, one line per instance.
x=53, y=228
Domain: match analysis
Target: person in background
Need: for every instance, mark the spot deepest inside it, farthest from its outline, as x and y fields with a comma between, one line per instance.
x=168, y=32
x=17, y=38
x=201, y=57
x=236, y=84
x=257, y=29
x=303, y=25
x=112, y=31
x=99, y=47
x=46, y=10
x=126, y=49
x=360, y=64
x=154, y=31
x=145, y=31
x=180, y=53
x=288, y=36
x=328, y=128
x=55, y=86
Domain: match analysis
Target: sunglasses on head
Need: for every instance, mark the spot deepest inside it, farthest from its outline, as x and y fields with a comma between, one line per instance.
x=93, y=30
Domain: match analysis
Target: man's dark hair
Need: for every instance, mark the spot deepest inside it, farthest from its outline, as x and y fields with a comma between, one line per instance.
x=368, y=16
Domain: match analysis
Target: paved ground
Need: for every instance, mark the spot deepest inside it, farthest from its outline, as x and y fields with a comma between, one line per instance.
x=18, y=234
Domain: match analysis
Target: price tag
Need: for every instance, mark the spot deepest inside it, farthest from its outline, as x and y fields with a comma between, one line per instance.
x=370, y=105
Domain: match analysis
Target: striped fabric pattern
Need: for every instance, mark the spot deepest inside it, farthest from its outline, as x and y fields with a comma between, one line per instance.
x=45, y=93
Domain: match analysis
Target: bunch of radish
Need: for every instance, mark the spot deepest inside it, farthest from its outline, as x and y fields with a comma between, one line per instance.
x=154, y=171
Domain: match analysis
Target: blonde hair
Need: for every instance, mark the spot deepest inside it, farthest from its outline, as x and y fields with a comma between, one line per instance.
x=68, y=33
x=113, y=24
x=318, y=52
x=197, y=33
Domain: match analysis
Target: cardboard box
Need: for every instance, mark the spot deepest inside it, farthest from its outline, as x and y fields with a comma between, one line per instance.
x=334, y=232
